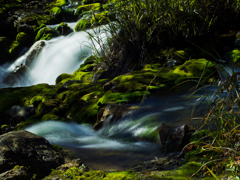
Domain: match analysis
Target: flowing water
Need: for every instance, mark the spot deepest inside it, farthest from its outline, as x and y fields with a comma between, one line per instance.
x=117, y=146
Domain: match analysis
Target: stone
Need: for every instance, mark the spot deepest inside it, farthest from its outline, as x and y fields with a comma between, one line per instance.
x=16, y=174
x=64, y=29
x=18, y=113
x=175, y=138
x=34, y=52
x=24, y=148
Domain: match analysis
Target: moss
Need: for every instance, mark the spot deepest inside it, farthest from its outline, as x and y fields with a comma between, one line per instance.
x=37, y=19
x=82, y=24
x=126, y=175
x=57, y=147
x=235, y=55
x=62, y=77
x=55, y=11
x=4, y=126
x=37, y=100
x=37, y=28
x=85, y=112
x=23, y=95
x=93, y=1
x=47, y=106
x=88, y=7
x=194, y=68
x=119, y=98
x=23, y=38
x=45, y=33
x=14, y=49
x=182, y=173
x=57, y=3
x=100, y=18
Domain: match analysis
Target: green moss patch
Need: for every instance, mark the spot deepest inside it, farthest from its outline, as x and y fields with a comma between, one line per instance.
x=45, y=33
x=235, y=55
x=23, y=38
x=82, y=24
x=83, y=8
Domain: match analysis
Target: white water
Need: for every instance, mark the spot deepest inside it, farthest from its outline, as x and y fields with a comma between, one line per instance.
x=82, y=136
x=63, y=54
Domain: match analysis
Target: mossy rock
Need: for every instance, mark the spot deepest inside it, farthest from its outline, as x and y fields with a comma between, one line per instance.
x=38, y=20
x=23, y=95
x=82, y=24
x=58, y=3
x=47, y=106
x=14, y=49
x=45, y=33
x=194, y=68
x=24, y=38
x=63, y=29
x=93, y=1
x=100, y=18
x=62, y=77
x=37, y=100
x=56, y=11
x=53, y=115
x=83, y=8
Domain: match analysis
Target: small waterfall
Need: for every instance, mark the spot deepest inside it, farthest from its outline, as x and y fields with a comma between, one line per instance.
x=59, y=55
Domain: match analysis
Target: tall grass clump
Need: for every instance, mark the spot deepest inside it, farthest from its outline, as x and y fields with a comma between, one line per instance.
x=140, y=29
x=217, y=142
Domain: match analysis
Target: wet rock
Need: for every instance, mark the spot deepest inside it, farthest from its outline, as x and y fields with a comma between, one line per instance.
x=34, y=52
x=64, y=29
x=27, y=149
x=111, y=113
x=16, y=76
x=18, y=113
x=175, y=138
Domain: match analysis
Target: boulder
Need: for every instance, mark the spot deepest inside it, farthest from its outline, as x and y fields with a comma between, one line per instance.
x=34, y=52
x=18, y=113
x=63, y=29
x=24, y=148
x=175, y=138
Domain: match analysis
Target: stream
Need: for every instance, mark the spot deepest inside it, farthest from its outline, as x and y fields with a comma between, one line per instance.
x=120, y=146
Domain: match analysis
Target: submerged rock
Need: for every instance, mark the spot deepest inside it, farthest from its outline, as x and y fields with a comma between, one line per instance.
x=27, y=149
x=175, y=138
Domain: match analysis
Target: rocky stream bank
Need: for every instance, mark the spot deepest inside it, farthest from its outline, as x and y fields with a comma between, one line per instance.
x=90, y=96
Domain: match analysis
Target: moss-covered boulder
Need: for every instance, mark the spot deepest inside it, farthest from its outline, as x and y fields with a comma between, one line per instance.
x=82, y=24
x=84, y=8
x=45, y=33
x=63, y=29
x=24, y=38
x=100, y=18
